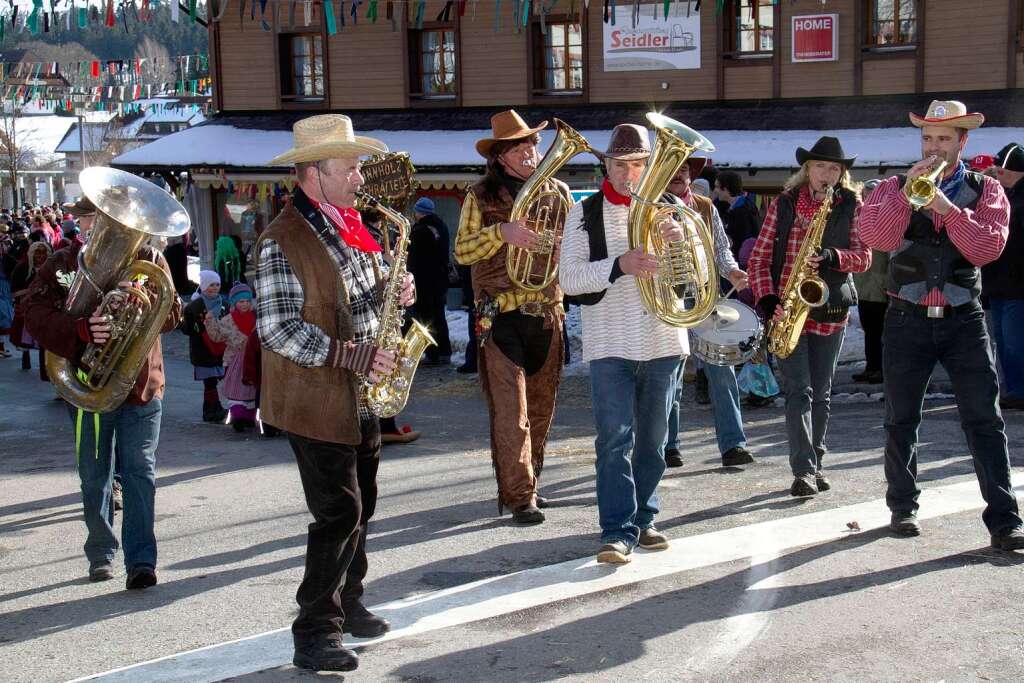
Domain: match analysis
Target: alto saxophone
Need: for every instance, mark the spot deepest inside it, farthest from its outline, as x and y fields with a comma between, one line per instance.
x=388, y=397
x=804, y=290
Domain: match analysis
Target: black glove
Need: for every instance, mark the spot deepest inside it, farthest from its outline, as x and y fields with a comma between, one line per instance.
x=831, y=257
x=766, y=306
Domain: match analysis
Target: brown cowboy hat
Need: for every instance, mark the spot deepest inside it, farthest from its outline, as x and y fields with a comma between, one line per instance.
x=79, y=208
x=628, y=142
x=950, y=113
x=326, y=136
x=506, y=125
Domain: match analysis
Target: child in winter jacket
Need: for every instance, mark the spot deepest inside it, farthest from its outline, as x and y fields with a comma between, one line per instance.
x=205, y=353
x=233, y=330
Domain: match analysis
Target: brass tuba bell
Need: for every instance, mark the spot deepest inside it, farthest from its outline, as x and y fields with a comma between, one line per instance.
x=129, y=210
x=685, y=289
x=546, y=210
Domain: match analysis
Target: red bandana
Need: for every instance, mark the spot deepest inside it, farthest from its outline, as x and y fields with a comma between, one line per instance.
x=350, y=227
x=612, y=196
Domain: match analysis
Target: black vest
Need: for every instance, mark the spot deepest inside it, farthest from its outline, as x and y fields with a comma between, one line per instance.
x=841, y=292
x=928, y=258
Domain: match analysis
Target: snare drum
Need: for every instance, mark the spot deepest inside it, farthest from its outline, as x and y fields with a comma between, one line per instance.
x=729, y=336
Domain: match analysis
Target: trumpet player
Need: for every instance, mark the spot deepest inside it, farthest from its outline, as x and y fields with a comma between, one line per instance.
x=519, y=331
x=135, y=424
x=935, y=315
x=318, y=300
x=633, y=356
x=809, y=369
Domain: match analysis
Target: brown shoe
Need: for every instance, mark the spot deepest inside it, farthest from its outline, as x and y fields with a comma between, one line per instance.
x=616, y=552
x=652, y=539
x=527, y=514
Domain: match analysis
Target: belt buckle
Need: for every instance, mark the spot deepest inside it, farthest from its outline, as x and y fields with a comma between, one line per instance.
x=936, y=311
x=532, y=308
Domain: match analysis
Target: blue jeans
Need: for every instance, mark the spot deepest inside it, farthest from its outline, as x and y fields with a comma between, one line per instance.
x=137, y=431
x=911, y=347
x=725, y=407
x=808, y=387
x=631, y=401
x=1008, y=329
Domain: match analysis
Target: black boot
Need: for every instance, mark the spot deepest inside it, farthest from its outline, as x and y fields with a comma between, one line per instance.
x=361, y=622
x=326, y=653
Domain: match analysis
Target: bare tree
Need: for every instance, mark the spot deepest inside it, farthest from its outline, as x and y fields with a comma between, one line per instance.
x=158, y=67
x=15, y=154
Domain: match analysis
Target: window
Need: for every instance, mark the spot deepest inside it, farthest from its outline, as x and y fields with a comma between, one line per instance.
x=558, y=58
x=432, y=55
x=891, y=23
x=749, y=28
x=302, y=67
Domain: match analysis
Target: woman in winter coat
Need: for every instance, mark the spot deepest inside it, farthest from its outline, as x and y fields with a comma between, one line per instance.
x=233, y=330
x=205, y=353
x=21, y=278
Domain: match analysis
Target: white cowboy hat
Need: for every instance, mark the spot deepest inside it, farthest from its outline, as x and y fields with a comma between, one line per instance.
x=949, y=113
x=326, y=136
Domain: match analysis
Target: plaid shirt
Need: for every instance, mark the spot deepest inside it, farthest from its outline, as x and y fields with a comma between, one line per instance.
x=856, y=259
x=279, y=297
x=477, y=242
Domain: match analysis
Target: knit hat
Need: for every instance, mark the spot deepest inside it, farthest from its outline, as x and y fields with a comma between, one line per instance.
x=207, y=278
x=239, y=292
x=424, y=205
x=701, y=186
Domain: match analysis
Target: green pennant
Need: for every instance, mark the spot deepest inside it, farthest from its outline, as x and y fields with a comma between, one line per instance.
x=192, y=10
x=332, y=25
x=371, y=13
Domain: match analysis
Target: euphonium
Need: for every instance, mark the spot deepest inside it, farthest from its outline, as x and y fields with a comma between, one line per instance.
x=388, y=397
x=129, y=210
x=803, y=290
x=921, y=190
x=688, y=264
x=545, y=209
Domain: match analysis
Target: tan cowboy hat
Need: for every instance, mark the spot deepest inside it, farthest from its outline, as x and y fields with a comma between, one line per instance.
x=948, y=113
x=507, y=125
x=79, y=208
x=326, y=136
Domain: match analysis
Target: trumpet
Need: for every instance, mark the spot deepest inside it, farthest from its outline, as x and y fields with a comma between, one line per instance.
x=921, y=190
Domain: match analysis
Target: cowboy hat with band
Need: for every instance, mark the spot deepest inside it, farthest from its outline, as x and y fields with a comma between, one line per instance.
x=326, y=136
x=948, y=113
x=507, y=126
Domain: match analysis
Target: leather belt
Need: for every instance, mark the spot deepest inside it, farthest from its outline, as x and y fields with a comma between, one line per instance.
x=934, y=312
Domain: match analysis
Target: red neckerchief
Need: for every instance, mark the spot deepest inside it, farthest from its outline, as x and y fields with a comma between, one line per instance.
x=612, y=196
x=245, y=322
x=350, y=227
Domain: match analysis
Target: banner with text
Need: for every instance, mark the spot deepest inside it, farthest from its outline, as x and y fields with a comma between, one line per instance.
x=652, y=43
x=816, y=38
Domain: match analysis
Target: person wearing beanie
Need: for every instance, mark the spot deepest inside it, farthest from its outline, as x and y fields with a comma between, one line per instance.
x=1001, y=282
x=233, y=331
x=429, y=249
x=206, y=354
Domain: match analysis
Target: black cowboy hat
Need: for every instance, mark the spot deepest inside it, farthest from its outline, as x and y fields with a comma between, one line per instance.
x=1011, y=157
x=827, y=148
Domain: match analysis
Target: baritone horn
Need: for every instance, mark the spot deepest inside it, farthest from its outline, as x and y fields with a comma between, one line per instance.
x=129, y=211
x=684, y=291
x=545, y=209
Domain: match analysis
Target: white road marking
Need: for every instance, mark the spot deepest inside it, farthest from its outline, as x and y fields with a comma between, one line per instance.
x=530, y=588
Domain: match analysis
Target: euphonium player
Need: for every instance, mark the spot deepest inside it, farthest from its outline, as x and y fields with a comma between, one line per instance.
x=935, y=316
x=318, y=304
x=520, y=332
x=809, y=369
x=633, y=355
x=135, y=423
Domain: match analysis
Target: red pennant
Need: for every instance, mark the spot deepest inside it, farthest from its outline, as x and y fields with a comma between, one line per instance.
x=110, y=14
x=95, y=69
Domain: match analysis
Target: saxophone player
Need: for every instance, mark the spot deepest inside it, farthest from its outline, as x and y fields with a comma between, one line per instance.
x=521, y=352
x=318, y=287
x=809, y=369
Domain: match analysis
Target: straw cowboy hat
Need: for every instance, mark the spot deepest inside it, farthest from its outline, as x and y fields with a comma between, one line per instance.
x=948, y=113
x=507, y=125
x=827, y=148
x=326, y=136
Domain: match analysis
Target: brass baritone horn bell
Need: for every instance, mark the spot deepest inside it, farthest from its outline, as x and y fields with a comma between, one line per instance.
x=680, y=277
x=129, y=210
x=546, y=210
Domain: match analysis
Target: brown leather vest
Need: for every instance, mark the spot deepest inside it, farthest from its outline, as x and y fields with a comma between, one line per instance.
x=317, y=403
x=490, y=276
x=703, y=205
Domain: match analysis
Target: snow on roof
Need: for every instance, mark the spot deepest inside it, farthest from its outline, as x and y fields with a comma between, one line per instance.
x=216, y=145
x=92, y=135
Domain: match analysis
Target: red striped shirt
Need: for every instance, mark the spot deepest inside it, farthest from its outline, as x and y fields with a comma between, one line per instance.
x=856, y=259
x=980, y=234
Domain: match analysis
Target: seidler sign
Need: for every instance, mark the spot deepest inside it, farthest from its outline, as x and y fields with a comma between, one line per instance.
x=654, y=42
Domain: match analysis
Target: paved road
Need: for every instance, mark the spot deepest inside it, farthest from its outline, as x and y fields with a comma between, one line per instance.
x=757, y=586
